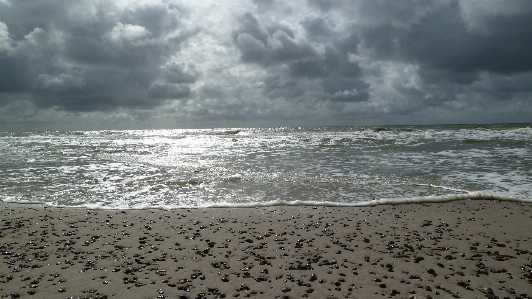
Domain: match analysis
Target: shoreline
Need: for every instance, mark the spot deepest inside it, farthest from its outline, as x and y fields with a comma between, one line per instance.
x=458, y=249
x=477, y=195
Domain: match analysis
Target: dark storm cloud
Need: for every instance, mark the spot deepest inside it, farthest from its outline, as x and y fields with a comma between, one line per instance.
x=318, y=28
x=463, y=54
x=169, y=91
x=324, y=5
x=296, y=60
x=462, y=59
x=342, y=62
x=272, y=45
x=263, y=5
x=180, y=73
x=447, y=48
x=86, y=55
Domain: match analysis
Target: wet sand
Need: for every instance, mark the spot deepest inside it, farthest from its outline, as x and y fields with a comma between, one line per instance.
x=462, y=249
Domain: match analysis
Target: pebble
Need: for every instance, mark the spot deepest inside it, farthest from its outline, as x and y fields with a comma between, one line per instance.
x=184, y=255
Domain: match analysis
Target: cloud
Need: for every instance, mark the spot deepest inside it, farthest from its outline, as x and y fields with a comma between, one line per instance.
x=273, y=45
x=120, y=64
x=306, y=65
x=180, y=73
x=448, y=47
x=112, y=57
x=169, y=91
x=5, y=41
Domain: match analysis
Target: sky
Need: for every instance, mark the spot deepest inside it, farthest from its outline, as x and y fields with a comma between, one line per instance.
x=89, y=65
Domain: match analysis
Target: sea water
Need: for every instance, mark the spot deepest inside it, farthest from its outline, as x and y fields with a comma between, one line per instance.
x=267, y=166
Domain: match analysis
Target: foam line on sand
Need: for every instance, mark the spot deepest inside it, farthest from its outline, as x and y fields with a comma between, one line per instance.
x=459, y=249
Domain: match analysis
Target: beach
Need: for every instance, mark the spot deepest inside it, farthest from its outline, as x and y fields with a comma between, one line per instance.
x=460, y=249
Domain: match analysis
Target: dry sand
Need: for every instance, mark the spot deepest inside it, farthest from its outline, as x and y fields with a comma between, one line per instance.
x=463, y=249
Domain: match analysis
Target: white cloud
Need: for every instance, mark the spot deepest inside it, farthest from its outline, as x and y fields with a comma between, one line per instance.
x=60, y=81
x=5, y=40
x=133, y=34
x=345, y=93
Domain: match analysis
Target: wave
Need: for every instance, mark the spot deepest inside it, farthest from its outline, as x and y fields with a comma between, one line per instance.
x=279, y=202
x=377, y=202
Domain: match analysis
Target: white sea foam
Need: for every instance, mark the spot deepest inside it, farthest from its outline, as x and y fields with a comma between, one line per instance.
x=336, y=166
x=279, y=202
x=375, y=202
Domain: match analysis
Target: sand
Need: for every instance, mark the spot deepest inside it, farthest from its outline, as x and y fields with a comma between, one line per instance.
x=462, y=249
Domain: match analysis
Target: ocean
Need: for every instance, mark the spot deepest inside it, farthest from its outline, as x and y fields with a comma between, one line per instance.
x=248, y=167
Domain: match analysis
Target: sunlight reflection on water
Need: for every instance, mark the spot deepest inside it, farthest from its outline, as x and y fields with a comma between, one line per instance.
x=169, y=168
